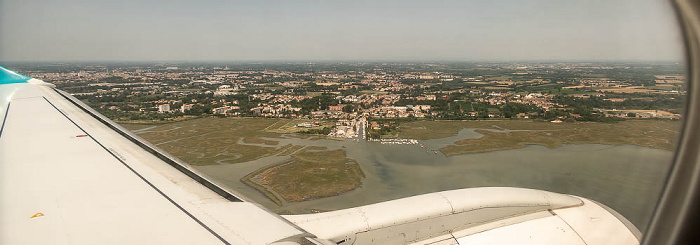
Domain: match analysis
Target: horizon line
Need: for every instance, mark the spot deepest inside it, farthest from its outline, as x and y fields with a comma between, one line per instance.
x=352, y=61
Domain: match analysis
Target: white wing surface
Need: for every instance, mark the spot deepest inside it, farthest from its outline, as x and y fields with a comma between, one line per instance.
x=68, y=175
x=68, y=178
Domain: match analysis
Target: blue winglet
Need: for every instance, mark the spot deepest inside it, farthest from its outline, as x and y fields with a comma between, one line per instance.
x=7, y=76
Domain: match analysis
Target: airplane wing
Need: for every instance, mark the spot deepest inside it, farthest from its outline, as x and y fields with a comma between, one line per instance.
x=68, y=175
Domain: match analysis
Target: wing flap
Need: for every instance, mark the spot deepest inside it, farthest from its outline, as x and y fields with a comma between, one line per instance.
x=60, y=186
x=91, y=185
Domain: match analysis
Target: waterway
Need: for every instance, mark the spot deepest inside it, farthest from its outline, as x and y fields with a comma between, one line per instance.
x=626, y=178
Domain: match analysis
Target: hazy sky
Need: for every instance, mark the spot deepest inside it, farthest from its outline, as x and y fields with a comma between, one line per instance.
x=260, y=30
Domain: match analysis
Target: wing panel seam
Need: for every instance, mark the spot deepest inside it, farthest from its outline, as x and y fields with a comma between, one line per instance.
x=140, y=176
x=202, y=180
x=572, y=228
x=4, y=119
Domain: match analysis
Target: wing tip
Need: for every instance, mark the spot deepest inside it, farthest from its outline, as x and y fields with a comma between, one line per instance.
x=8, y=76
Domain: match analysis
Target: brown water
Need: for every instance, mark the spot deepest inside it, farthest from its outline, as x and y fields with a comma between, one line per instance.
x=626, y=178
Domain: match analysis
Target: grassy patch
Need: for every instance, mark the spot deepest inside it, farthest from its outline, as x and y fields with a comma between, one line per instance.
x=647, y=133
x=139, y=126
x=257, y=140
x=308, y=175
x=424, y=130
x=373, y=92
x=567, y=91
x=664, y=88
x=289, y=149
x=286, y=126
x=213, y=140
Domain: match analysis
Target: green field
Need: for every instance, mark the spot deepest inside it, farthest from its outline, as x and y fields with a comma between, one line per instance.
x=648, y=133
x=214, y=140
x=286, y=126
x=310, y=174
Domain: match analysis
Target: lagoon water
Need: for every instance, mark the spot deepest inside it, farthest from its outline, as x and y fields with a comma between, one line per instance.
x=626, y=178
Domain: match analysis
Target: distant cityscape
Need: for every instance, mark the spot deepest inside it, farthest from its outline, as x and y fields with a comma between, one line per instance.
x=364, y=100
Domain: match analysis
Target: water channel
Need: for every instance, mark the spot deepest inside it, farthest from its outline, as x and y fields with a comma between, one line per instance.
x=626, y=178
